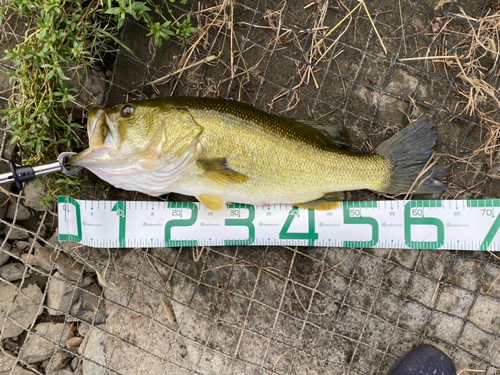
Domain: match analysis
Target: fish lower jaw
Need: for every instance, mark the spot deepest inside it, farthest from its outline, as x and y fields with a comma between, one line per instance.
x=153, y=183
x=95, y=157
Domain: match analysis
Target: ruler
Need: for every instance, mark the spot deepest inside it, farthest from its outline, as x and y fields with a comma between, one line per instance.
x=415, y=224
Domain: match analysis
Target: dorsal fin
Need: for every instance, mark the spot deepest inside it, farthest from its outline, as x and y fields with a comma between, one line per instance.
x=332, y=135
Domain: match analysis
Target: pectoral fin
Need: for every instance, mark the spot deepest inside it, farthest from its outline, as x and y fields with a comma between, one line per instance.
x=328, y=202
x=211, y=202
x=218, y=171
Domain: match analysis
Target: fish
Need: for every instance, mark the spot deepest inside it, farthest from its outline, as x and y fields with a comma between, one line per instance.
x=223, y=151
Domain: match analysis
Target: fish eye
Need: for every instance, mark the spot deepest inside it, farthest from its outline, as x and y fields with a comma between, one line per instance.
x=127, y=111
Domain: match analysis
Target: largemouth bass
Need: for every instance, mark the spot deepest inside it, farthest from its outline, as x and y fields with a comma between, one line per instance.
x=225, y=151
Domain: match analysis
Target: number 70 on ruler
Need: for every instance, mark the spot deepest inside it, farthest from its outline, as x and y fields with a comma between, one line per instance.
x=460, y=225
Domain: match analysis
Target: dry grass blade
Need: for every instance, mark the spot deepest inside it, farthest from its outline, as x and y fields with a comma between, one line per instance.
x=430, y=163
x=197, y=253
x=168, y=311
x=468, y=370
x=493, y=284
x=164, y=79
x=343, y=19
x=373, y=25
x=281, y=356
x=441, y=3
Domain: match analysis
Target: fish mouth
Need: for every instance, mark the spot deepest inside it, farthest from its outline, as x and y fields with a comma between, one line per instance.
x=102, y=140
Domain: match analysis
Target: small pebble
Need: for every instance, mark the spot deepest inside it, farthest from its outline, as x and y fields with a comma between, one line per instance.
x=22, y=212
x=22, y=245
x=68, y=267
x=28, y=258
x=58, y=361
x=4, y=255
x=74, y=342
x=74, y=363
x=16, y=233
x=13, y=271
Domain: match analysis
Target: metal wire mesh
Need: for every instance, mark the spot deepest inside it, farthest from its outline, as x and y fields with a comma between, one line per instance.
x=269, y=310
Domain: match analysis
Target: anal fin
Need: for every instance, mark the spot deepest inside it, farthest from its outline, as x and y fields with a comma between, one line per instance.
x=217, y=170
x=211, y=202
x=328, y=202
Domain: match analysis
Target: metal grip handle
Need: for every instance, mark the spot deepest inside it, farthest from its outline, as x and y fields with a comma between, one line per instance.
x=27, y=173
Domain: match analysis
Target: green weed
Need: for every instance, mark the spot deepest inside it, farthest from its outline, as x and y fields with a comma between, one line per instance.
x=65, y=36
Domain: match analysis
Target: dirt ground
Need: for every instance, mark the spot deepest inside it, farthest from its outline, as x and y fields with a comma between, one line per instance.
x=301, y=310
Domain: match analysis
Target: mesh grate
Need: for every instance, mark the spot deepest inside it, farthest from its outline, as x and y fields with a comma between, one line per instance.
x=269, y=310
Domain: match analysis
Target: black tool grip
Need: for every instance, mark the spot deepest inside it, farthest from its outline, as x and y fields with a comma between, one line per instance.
x=21, y=174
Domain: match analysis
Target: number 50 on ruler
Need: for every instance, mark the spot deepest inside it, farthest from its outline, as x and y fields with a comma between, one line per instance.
x=460, y=225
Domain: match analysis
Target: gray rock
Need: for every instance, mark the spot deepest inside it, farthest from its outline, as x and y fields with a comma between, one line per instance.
x=58, y=362
x=45, y=363
x=54, y=239
x=86, y=308
x=7, y=252
x=32, y=196
x=64, y=371
x=16, y=233
x=42, y=230
x=16, y=252
x=61, y=295
x=41, y=344
x=21, y=371
x=86, y=281
x=68, y=267
x=94, y=353
x=47, y=258
x=27, y=259
x=83, y=329
x=22, y=212
x=23, y=245
x=4, y=255
x=14, y=271
x=44, y=258
x=92, y=256
x=74, y=363
x=4, y=167
x=24, y=311
x=74, y=343
x=7, y=361
x=9, y=148
x=70, y=246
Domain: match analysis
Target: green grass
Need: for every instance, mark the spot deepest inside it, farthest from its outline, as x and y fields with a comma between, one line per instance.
x=66, y=36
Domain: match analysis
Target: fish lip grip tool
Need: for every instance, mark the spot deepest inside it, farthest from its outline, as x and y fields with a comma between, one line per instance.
x=25, y=173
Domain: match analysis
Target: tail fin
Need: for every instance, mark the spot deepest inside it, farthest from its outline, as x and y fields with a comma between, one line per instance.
x=409, y=151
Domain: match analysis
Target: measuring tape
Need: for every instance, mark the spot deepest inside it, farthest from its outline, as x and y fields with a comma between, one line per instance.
x=416, y=224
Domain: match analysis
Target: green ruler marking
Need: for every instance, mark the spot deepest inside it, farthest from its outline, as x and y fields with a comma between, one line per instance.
x=418, y=224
